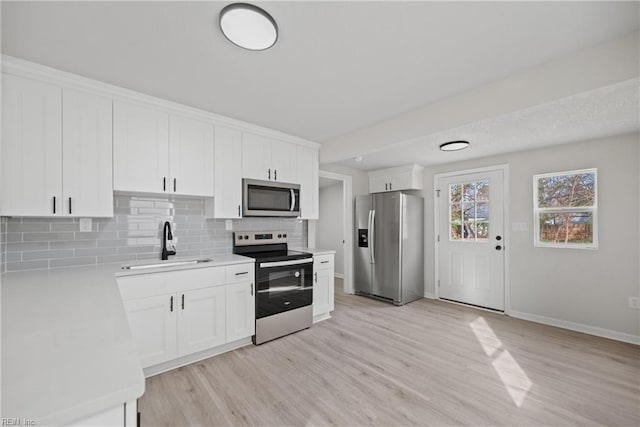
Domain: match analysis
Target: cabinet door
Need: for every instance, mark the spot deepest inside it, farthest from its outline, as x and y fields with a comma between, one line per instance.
x=308, y=178
x=323, y=292
x=31, y=168
x=378, y=184
x=201, y=319
x=140, y=148
x=191, y=160
x=256, y=157
x=228, y=173
x=152, y=321
x=87, y=155
x=283, y=161
x=240, y=311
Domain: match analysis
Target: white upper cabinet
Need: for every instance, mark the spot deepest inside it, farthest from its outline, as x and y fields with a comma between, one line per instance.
x=399, y=178
x=56, y=151
x=140, y=148
x=227, y=202
x=155, y=152
x=191, y=159
x=268, y=159
x=31, y=168
x=87, y=154
x=307, y=165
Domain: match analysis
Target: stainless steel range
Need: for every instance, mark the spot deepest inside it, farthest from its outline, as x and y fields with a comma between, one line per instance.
x=284, y=281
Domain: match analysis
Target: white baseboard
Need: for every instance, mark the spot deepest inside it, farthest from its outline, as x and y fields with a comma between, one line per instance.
x=339, y=275
x=578, y=327
x=429, y=295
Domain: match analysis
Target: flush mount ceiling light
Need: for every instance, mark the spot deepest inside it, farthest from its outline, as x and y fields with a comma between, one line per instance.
x=248, y=26
x=454, y=145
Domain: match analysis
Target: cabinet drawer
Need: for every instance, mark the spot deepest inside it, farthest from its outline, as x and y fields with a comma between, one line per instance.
x=240, y=272
x=323, y=262
x=146, y=285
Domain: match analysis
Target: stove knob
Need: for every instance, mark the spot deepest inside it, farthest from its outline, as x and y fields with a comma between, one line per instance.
x=239, y=237
x=246, y=237
x=284, y=235
x=279, y=236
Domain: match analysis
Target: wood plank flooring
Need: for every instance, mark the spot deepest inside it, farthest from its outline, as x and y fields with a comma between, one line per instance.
x=426, y=363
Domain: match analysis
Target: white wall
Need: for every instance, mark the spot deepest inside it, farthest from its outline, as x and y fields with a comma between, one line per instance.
x=583, y=287
x=359, y=179
x=330, y=230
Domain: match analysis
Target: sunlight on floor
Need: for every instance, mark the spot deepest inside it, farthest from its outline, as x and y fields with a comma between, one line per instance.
x=515, y=380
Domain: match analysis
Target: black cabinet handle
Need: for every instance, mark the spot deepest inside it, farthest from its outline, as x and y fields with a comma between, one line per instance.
x=164, y=183
x=238, y=210
x=316, y=277
x=171, y=307
x=183, y=301
x=174, y=184
x=240, y=274
x=275, y=174
x=390, y=188
x=324, y=262
x=252, y=289
x=69, y=205
x=54, y=204
x=386, y=186
x=269, y=174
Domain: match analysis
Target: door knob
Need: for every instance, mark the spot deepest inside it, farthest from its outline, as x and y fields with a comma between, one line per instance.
x=498, y=247
x=498, y=237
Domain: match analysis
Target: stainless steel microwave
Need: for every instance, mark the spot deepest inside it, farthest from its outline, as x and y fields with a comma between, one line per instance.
x=270, y=198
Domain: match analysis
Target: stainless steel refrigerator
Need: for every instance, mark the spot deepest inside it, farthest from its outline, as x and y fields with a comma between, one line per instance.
x=389, y=249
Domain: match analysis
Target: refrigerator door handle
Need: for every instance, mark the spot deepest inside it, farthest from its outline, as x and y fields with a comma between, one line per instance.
x=369, y=235
x=372, y=237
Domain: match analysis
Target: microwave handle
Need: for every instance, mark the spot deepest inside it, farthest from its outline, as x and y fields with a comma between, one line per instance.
x=293, y=199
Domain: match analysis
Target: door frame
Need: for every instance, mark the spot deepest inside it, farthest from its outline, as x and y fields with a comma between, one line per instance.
x=347, y=226
x=504, y=168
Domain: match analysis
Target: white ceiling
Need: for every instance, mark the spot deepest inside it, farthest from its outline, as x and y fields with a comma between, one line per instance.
x=602, y=112
x=337, y=66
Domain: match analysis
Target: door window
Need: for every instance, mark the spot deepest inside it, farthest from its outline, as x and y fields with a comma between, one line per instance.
x=469, y=211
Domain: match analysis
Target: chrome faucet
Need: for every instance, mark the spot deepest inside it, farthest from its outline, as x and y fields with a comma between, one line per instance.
x=166, y=235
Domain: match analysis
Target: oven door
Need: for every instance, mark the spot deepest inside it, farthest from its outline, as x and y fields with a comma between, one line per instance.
x=283, y=286
x=268, y=198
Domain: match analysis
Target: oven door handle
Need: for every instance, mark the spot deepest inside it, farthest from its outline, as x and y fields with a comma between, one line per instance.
x=285, y=263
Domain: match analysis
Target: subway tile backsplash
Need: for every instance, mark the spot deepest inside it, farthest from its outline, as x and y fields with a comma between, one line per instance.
x=134, y=233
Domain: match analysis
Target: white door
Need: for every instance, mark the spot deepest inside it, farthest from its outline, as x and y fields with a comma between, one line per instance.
x=283, y=161
x=308, y=178
x=256, y=157
x=201, y=319
x=323, y=291
x=191, y=160
x=140, y=148
x=152, y=321
x=227, y=201
x=471, y=238
x=240, y=310
x=31, y=168
x=87, y=155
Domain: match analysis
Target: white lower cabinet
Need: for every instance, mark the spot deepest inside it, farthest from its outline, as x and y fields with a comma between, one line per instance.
x=201, y=320
x=179, y=313
x=153, y=326
x=323, y=286
x=124, y=415
x=240, y=311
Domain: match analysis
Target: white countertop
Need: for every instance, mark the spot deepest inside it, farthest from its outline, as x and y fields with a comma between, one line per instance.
x=67, y=351
x=315, y=251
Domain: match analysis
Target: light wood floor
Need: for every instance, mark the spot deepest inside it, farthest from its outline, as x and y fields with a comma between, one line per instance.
x=426, y=363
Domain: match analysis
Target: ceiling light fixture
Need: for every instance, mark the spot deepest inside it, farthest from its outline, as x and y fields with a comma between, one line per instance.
x=248, y=26
x=454, y=145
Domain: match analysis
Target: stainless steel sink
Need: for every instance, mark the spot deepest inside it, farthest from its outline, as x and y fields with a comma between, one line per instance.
x=166, y=264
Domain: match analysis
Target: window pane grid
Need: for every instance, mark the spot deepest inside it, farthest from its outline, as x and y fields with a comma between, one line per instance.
x=469, y=211
x=565, y=209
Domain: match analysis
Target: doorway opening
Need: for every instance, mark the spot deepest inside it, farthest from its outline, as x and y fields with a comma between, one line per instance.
x=334, y=228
